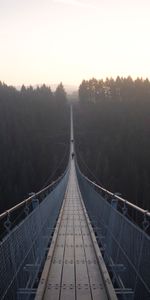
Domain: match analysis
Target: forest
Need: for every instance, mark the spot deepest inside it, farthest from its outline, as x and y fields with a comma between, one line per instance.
x=112, y=136
x=112, y=133
x=34, y=140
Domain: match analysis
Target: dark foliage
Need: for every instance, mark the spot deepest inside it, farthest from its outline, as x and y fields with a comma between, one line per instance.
x=34, y=140
x=112, y=130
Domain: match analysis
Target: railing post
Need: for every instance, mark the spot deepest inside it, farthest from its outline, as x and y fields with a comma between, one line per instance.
x=7, y=223
x=35, y=201
x=26, y=209
x=124, y=208
x=146, y=222
x=111, y=222
x=114, y=202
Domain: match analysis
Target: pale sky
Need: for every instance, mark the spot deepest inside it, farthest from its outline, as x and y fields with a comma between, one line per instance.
x=48, y=41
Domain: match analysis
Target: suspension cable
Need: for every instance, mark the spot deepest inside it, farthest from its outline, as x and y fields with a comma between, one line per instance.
x=91, y=172
x=56, y=169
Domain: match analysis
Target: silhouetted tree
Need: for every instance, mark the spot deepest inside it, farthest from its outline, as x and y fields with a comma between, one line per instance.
x=112, y=133
x=60, y=95
x=34, y=137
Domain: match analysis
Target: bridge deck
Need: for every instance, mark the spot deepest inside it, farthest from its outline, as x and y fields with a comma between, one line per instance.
x=71, y=270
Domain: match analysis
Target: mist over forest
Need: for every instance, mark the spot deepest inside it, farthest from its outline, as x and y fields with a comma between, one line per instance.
x=112, y=130
x=34, y=140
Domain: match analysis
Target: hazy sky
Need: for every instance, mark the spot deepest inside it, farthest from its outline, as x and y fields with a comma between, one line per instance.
x=68, y=40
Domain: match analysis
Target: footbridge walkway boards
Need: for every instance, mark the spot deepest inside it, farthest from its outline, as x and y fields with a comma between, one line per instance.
x=72, y=269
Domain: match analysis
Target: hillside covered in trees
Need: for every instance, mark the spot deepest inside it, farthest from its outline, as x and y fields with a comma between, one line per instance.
x=34, y=140
x=112, y=131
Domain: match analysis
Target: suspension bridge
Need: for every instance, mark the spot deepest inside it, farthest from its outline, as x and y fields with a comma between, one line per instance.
x=75, y=240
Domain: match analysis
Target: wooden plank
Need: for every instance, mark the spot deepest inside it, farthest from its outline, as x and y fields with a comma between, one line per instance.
x=68, y=274
x=95, y=278
x=44, y=277
x=100, y=271
x=83, y=291
x=53, y=283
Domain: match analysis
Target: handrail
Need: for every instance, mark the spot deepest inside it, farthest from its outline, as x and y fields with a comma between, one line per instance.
x=139, y=209
x=29, y=199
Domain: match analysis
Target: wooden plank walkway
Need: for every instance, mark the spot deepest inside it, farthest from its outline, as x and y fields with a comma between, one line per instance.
x=74, y=267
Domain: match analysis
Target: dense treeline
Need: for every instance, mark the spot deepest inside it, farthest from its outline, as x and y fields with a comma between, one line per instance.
x=34, y=140
x=112, y=127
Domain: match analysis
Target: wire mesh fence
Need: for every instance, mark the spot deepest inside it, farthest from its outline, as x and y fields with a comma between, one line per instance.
x=125, y=245
x=23, y=249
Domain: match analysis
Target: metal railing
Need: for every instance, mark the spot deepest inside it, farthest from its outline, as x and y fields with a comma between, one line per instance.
x=135, y=213
x=125, y=246
x=11, y=217
x=23, y=249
